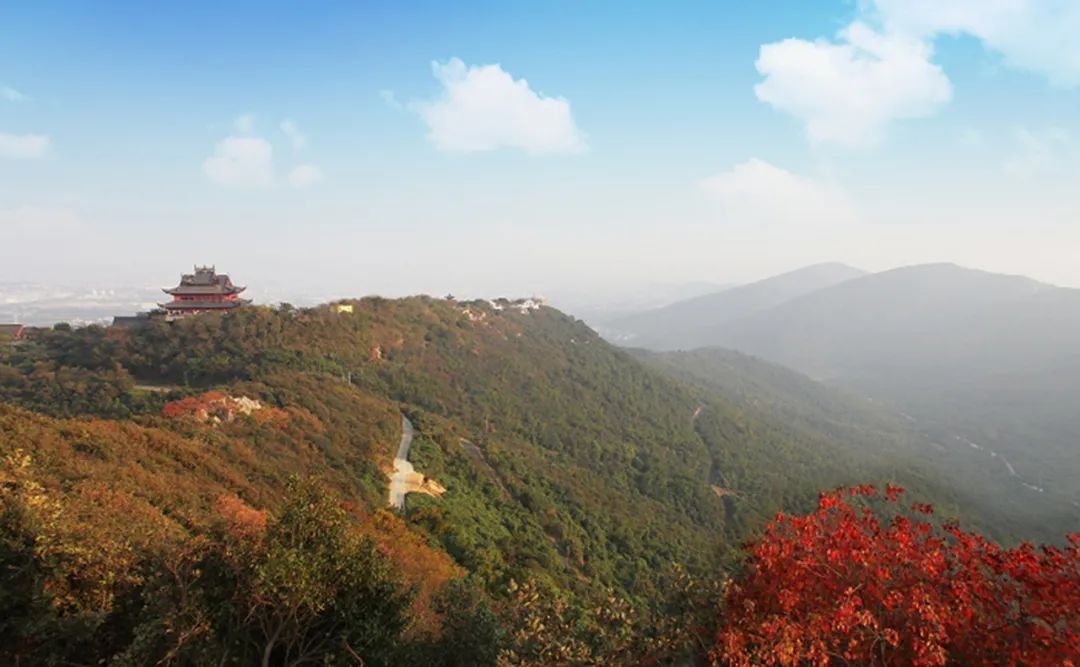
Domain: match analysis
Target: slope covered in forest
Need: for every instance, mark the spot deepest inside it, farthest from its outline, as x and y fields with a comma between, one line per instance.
x=982, y=359
x=565, y=461
x=986, y=489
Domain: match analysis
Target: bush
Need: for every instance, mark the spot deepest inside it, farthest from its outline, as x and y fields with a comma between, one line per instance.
x=844, y=585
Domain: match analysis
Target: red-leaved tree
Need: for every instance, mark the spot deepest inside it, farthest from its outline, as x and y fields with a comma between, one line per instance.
x=861, y=581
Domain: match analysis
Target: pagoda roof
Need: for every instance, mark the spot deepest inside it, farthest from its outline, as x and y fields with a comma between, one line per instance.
x=205, y=280
x=205, y=305
x=219, y=288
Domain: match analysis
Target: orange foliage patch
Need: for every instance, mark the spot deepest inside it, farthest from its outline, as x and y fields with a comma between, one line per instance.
x=192, y=406
x=214, y=406
x=300, y=418
x=241, y=521
x=426, y=569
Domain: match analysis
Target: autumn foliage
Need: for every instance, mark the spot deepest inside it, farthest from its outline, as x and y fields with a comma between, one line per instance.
x=861, y=581
x=192, y=406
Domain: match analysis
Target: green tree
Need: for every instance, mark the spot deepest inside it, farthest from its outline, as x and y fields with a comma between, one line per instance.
x=471, y=634
x=306, y=588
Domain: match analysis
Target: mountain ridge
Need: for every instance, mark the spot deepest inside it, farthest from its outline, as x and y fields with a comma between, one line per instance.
x=691, y=317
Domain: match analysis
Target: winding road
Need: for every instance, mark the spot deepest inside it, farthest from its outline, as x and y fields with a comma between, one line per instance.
x=402, y=468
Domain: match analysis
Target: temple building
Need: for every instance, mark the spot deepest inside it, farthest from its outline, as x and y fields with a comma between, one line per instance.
x=201, y=292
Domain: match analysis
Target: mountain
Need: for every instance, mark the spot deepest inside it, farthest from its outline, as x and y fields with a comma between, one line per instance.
x=221, y=485
x=929, y=316
x=689, y=323
x=984, y=359
x=601, y=473
x=599, y=307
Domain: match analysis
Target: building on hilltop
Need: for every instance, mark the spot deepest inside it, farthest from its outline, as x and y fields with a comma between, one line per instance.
x=201, y=292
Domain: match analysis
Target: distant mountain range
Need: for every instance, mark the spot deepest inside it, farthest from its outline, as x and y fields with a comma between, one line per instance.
x=692, y=322
x=598, y=307
x=993, y=360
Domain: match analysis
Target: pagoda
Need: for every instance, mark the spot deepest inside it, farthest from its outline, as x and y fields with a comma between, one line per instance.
x=201, y=292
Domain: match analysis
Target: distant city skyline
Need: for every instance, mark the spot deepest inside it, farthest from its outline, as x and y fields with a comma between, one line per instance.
x=512, y=149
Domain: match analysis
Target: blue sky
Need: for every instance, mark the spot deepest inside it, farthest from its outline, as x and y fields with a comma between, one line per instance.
x=552, y=146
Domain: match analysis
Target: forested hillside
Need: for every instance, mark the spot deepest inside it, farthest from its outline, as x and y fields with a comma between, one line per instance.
x=980, y=364
x=985, y=495
x=216, y=487
x=979, y=359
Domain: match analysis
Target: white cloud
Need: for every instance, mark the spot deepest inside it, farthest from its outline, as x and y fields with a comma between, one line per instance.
x=1034, y=35
x=23, y=146
x=847, y=91
x=244, y=160
x=296, y=137
x=759, y=193
x=12, y=95
x=483, y=108
x=304, y=175
x=240, y=161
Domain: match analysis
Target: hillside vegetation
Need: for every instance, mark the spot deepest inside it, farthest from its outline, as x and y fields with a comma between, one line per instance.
x=581, y=486
x=862, y=430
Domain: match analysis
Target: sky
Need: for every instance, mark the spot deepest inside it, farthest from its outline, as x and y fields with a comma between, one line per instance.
x=513, y=148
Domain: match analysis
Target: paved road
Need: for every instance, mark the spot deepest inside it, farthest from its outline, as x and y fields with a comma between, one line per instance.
x=402, y=468
x=158, y=388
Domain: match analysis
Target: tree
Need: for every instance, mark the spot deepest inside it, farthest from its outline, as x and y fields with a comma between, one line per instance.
x=317, y=588
x=844, y=586
x=304, y=588
x=471, y=635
